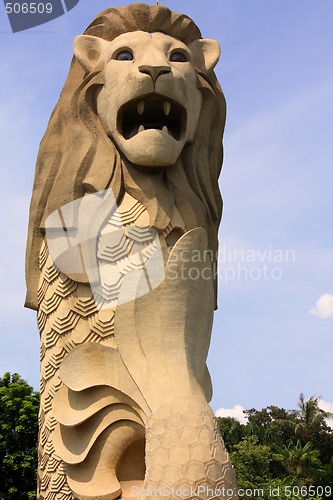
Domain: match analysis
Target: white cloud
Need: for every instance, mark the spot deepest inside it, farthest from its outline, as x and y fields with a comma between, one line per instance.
x=235, y=412
x=324, y=307
x=326, y=406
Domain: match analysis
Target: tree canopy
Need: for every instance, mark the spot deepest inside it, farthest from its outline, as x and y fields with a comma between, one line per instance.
x=18, y=438
x=289, y=452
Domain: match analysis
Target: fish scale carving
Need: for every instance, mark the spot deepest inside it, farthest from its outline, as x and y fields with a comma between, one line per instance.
x=185, y=451
x=70, y=315
x=55, y=345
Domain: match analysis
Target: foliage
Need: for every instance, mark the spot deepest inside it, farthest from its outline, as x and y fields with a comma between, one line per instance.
x=232, y=431
x=279, y=449
x=18, y=438
x=301, y=461
x=251, y=461
x=309, y=418
x=271, y=424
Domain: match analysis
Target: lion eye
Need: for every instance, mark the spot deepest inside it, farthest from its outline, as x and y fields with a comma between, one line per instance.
x=178, y=57
x=124, y=55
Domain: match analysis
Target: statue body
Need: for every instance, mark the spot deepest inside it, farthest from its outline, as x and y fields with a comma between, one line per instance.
x=120, y=264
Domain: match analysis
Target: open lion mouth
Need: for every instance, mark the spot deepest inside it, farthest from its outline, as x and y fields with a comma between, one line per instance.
x=152, y=112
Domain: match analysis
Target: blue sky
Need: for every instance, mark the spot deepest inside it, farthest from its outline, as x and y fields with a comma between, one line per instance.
x=276, y=235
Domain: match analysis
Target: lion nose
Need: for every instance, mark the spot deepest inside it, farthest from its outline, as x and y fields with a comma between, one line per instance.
x=154, y=71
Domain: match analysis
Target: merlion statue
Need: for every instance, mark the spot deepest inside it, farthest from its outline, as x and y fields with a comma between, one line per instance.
x=121, y=264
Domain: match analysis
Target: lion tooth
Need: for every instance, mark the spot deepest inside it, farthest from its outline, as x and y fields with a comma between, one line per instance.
x=141, y=107
x=165, y=129
x=141, y=128
x=166, y=107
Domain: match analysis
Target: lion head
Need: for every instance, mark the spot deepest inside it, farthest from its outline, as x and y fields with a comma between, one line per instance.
x=141, y=112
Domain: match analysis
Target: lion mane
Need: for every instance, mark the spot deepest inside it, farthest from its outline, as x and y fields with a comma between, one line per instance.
x=76, y=156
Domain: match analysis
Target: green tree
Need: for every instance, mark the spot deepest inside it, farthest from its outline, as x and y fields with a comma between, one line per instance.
x=232, y=431
x=279, y=448
x=271, y=425
x=327, y=476
x=301, y=462
x=310, y=419
x=251, y=461
x=18, y=438
x=309, y=425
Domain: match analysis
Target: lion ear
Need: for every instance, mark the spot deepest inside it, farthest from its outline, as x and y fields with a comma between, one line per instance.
x=206, y=53
x=89, y=50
